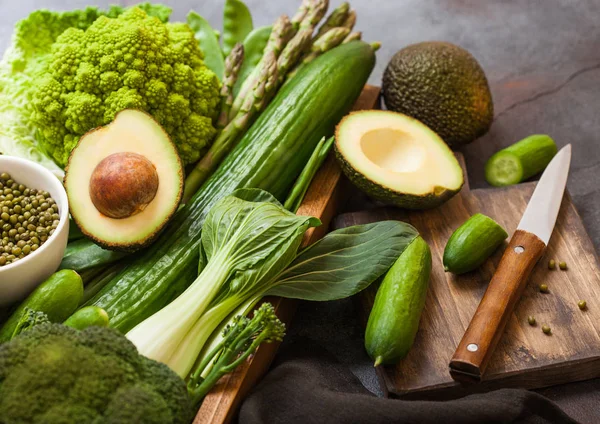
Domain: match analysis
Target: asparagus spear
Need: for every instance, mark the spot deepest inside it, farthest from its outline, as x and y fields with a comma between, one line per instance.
x=316, y=11
x=271, y=73
x=280, y=36
x=229, y=136
x=328, y=41
x=233, y=63
x=352, y=36
x=293, y=51
x=331, y=39
x=301, y=14
x=336, y=19
x=350, y=20
x=301, y=42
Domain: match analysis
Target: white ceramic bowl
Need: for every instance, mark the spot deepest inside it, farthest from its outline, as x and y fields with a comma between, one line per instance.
x=18, y=279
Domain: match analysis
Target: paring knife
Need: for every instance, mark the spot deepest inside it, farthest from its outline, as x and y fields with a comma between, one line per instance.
x=526, y=247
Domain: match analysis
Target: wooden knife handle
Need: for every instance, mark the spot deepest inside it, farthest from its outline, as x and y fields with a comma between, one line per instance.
x=504, y=291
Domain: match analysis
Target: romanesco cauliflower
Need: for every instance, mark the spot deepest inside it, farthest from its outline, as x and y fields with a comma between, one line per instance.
x=22, y=63
x=133, y=61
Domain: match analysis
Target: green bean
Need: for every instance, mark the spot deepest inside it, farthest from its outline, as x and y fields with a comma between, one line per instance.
x=296, y=195
x=237, y=24
x=254, y=46
x=209, y=43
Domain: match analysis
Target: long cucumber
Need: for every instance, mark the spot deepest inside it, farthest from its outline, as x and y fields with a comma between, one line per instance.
x=270, y=156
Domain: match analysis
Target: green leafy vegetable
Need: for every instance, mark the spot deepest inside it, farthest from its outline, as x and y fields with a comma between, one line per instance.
x=23, y=63
x=209, y=43
x=344, y=262
x=246, y=244
x=237, y=24
x=248, y=241
x=254, y=47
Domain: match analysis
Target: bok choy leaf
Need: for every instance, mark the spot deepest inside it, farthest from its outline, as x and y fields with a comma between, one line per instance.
x=249, y=248
x=344, y=262
x=246, y=244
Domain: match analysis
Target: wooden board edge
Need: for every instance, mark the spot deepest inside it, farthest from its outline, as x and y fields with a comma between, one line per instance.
x=325, y=196
x=562, y=373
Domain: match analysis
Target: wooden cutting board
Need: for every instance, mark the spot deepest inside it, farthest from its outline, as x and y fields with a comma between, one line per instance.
x=525, y=357
x=328, y=191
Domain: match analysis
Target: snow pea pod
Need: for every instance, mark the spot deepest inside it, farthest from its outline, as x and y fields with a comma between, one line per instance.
x=209, y=43
x=237, y=24
x=254, y=46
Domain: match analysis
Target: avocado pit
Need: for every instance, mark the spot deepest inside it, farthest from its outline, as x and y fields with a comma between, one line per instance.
x=123, y=184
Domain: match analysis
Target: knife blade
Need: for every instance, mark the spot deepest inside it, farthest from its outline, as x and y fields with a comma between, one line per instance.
x=524, y=250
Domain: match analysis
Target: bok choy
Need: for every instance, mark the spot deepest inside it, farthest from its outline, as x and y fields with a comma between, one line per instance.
x=249, y=249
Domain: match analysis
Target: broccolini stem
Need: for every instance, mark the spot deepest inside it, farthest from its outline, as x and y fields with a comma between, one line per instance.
x=296, y=196
x=233, y=64
x=229, y=136
x=195, y=378
x=352, y=36
x=337, y=18
x=240, y=341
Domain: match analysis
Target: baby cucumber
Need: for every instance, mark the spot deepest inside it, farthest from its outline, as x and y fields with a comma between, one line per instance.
x=88, y=316
x=520, y=161
x=472, y=243
x=58, y=297
x=395, y=316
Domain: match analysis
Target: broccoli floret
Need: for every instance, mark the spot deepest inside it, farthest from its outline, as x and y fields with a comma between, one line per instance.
x=241, y=338
x=133, y=61
x=56, y=374
x=29, y=319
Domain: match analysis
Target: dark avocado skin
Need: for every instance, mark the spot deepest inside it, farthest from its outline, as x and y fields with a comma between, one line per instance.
x=386, y=195
x=443, y=86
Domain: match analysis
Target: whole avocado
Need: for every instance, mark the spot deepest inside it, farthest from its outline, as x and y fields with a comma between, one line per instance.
x=443, y=86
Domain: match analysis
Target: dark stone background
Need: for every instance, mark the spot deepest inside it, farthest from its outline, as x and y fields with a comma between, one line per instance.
x=542, y=59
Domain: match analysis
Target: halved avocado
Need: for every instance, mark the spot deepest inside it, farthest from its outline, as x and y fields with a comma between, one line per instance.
x=124, y=181
x=397, y=159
